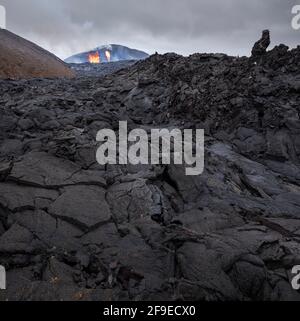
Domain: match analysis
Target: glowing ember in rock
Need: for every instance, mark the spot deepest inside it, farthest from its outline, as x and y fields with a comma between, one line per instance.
x=94, y=58
x=107, y=55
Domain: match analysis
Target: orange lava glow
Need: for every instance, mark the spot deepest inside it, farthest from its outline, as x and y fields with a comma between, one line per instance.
x=94, y=58
x=107, y=55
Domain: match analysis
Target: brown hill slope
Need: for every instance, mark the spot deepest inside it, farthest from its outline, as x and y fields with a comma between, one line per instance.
x=21, y=59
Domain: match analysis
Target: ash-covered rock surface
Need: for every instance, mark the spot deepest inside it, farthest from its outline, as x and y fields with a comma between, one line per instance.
x=71, y=229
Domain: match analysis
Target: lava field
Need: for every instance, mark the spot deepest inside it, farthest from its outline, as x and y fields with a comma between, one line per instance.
x=71, y=229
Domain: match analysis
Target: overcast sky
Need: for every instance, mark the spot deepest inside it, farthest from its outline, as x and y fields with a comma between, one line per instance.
x=66, y=27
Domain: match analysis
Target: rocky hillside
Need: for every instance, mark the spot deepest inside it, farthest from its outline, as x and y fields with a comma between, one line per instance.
x=21, y=59
x=72, y=229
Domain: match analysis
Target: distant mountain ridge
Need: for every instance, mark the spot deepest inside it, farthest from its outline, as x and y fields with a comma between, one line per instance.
x=108, y=53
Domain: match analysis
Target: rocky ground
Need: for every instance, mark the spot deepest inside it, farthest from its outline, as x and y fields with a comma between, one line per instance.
x=98, y=70
x=71, y=229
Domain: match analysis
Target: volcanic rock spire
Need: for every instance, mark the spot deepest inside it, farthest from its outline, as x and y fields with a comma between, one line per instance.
x=260, y=47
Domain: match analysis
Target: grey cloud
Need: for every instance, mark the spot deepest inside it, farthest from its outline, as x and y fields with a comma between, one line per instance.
x=70, y=26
